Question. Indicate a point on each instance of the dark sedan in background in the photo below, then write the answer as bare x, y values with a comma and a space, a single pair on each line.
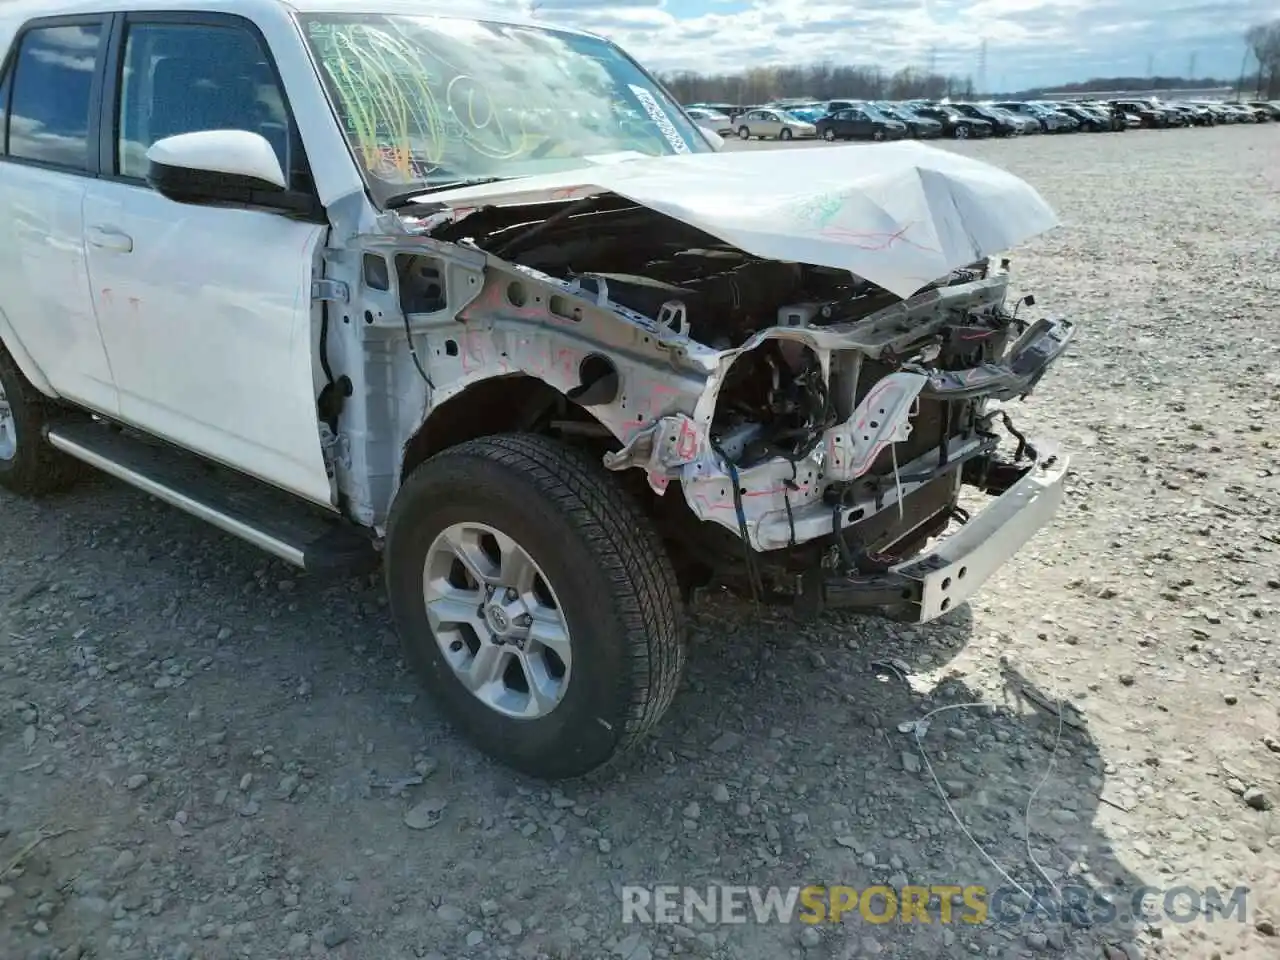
860, 123
922, 128
1151, 114
956, 124
1088, 119
1002, 125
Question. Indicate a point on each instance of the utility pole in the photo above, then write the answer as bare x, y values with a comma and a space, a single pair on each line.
933, 60
1191, 67
1244, 62
982, 68
1151, 65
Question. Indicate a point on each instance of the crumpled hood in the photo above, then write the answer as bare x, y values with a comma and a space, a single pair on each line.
901, 215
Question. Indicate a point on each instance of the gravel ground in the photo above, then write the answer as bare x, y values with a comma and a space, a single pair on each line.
222, 755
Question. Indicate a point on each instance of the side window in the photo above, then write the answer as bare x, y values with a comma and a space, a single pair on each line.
185, 78
51, 97
4, 114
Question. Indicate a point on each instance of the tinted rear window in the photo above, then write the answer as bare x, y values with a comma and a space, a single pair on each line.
50, 107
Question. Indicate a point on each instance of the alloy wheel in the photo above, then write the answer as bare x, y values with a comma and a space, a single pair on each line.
497, 620
8, 428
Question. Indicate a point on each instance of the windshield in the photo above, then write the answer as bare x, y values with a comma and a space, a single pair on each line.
427, 101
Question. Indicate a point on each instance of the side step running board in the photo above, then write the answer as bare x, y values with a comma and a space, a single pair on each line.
274, 521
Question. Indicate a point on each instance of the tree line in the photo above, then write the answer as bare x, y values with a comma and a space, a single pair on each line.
1263, 40
827, 81
823, 81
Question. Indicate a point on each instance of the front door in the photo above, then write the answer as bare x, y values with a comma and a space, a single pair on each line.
769, 125
206, 311
858, 124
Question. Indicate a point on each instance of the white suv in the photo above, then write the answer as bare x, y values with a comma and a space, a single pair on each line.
467, 297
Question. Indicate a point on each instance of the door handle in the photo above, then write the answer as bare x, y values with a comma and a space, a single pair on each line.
109, 238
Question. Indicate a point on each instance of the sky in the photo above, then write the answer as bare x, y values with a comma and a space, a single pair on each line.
1030, 43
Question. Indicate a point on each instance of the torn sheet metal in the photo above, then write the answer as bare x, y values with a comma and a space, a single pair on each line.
900, 215
883, 417
778, 500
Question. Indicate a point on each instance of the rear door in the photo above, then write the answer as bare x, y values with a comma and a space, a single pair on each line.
938, 117
206, 310
770, 124
49, 155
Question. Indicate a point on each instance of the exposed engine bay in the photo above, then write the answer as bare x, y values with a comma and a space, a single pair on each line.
839, 420
775, 400
647, 261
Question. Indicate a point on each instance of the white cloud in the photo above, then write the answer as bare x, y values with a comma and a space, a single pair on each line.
1029, 42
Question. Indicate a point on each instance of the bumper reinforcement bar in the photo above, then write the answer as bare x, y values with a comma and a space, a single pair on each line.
942, 578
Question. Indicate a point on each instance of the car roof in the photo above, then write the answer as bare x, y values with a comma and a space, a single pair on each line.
15, 12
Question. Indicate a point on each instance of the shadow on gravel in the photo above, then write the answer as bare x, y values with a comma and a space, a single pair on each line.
827, 783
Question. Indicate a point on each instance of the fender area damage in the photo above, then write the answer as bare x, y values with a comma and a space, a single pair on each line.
822, 423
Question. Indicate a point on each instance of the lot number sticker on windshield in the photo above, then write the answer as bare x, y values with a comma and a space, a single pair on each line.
660, 118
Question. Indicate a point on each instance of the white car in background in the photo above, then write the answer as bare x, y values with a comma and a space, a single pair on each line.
774, 124
718, 123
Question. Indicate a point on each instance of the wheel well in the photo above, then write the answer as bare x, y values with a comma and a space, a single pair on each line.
525, 404
11, 345
517, 402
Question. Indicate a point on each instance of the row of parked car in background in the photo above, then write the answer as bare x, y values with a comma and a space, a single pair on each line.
927, 119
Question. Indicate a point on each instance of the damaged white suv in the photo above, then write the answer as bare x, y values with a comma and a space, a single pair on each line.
475, 299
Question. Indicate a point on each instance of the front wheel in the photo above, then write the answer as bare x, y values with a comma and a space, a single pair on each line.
536, 602
785, 134
829, 135
744, 133
962, 133
28, 464
878, 136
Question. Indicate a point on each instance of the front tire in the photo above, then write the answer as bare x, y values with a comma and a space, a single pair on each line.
785, 134
744, 133
962, 133
28, 464
829, 135
593, 648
